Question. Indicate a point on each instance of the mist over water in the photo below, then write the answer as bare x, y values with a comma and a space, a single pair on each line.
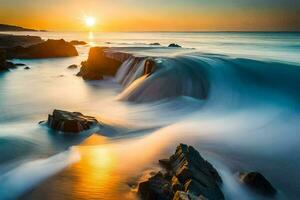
234, 96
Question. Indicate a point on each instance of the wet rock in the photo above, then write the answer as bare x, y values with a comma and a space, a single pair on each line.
190, 174
149, 67
27, 68
48, 49
155, 44
70, 122
155, 188
72, 67
19, 64
174, 45
77, 42
10, 41
258, 183
98, 65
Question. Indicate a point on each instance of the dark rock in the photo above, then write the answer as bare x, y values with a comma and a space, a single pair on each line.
258, 183
149, 67
48, 49
174, 45
155, 188
19, 64
98, 65
10, 41
77, 42
26, 68
72, 67
70, 122
155, 44
190, 174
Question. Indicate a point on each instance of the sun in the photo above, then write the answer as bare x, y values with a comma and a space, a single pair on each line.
90, 21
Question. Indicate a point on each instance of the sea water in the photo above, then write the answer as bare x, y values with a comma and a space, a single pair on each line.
249, 120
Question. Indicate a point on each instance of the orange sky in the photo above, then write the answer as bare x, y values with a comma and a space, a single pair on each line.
154, 15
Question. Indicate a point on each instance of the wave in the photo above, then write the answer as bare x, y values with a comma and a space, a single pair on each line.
19, 180
216, 78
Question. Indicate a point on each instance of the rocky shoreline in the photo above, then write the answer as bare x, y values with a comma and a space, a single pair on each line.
186, 175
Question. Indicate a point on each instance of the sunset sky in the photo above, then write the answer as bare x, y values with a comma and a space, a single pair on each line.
154, 15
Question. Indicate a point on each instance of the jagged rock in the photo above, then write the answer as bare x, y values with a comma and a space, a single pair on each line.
190, 173
98, 65
258, 183
72, 67
77, 42
70, 122
157, 187
48, 49
174, 45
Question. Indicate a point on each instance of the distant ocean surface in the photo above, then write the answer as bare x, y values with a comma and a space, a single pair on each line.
249, 119
282, 46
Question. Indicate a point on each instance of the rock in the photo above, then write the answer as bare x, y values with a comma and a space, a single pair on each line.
77, 42
258, 183
48, 49
26, 68
98, 65
72, 67
174, 45
70, 122
155, 44
155, 188
19, 64
190, 173
10, 41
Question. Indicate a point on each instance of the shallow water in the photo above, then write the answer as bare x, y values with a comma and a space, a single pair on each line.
249, 120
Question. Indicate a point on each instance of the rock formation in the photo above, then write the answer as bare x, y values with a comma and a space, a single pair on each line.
9, 41
72, 67
77, 42
70, 122
48, 49
98, 65
174, 45
187, 173
258, 183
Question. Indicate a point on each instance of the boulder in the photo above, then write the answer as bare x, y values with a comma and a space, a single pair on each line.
77, 42
72, 67
70, 122
258, 183
98, 65
48, 49
27, 68
174, 45
189, 173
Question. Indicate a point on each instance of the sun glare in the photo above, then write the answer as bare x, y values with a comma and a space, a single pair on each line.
90, 21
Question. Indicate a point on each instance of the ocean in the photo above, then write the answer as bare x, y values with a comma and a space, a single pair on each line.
234, 96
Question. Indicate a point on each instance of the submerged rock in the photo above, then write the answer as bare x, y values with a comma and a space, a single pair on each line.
48, 49
187, 172
258, 183
174, 45
77, 42
72, 67
70, 122
98, 65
